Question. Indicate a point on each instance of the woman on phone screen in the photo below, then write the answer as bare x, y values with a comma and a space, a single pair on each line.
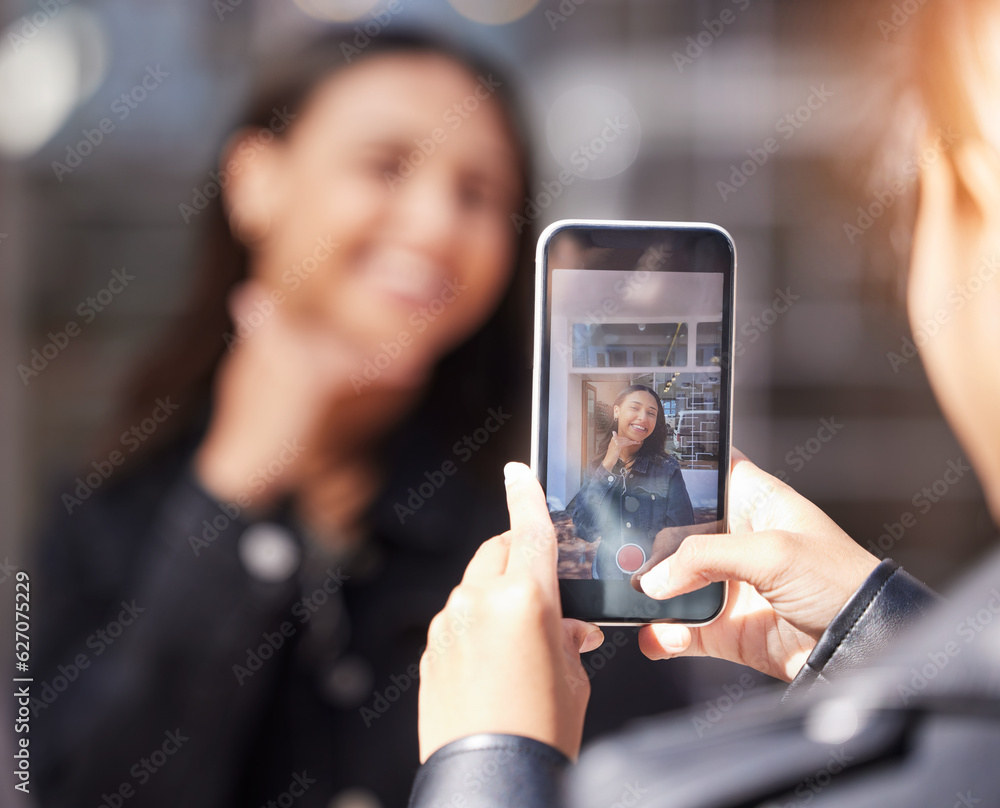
634, 488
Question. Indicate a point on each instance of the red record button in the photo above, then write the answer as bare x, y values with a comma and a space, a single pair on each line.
630, 557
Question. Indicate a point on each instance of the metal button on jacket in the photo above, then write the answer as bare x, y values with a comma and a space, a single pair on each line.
349, 681
355, 798
269, 552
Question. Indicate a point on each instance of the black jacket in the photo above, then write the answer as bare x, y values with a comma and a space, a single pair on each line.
879, 716
184, 661
166, 665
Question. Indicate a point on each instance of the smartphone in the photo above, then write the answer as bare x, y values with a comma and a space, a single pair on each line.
632, 405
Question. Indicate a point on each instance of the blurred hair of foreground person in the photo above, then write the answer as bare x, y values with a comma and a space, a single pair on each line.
895, 694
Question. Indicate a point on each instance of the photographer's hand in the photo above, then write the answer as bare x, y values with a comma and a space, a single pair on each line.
790, 567
500, 657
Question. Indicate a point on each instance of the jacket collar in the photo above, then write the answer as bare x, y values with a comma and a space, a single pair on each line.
641, 464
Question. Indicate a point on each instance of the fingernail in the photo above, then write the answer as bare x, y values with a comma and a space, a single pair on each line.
513, 472
672, 638
593, 641
656, 582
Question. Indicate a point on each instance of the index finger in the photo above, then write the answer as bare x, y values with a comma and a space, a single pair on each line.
533, 547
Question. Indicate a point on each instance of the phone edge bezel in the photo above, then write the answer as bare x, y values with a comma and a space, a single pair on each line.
541, 303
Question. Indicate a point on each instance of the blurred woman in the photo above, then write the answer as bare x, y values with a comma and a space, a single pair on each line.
634, 490
237, 613
875, 714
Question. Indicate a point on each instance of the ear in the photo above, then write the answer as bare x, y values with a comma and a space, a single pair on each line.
958, 217
255, 188
959, 207
977, 167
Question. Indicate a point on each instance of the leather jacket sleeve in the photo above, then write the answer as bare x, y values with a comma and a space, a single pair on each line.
491, 770
884, 606
888, 602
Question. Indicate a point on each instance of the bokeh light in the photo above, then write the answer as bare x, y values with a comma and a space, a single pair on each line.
335, 10
45, 73
593, 131
493, 12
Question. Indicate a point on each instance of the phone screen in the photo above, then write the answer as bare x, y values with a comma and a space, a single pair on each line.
633, 390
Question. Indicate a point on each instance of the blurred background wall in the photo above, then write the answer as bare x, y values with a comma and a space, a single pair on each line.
746, 113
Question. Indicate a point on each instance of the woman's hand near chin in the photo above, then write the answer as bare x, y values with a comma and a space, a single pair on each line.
500, 657
615, 447
790, 567
273, 392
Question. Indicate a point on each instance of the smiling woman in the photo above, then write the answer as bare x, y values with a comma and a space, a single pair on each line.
634, 489
358, 310
400, 246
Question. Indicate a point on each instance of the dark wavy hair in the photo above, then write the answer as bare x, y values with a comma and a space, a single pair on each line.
655, 444
490, 369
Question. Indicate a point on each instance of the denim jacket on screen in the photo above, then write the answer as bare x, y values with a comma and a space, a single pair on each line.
630, 506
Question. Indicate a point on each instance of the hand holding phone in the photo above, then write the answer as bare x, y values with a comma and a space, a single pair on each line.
790, 570
631, 417
515, 668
